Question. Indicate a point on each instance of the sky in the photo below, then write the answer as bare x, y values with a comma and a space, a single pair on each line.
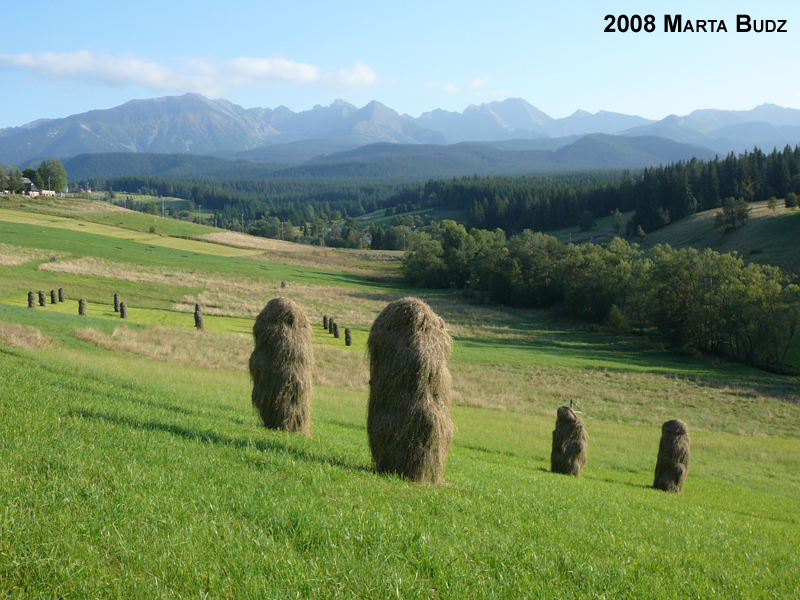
411, 56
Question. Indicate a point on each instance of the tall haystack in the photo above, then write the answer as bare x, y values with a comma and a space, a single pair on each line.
330, 325
31, 300
82, 307
116, 302
348, 337
673, 457
408, 419
62, 295
281, 366
198, 318
53, 299
325, 322
123, 310
336, 330
42, 301
570, 443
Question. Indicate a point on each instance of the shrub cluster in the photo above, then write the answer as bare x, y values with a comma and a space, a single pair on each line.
705, 301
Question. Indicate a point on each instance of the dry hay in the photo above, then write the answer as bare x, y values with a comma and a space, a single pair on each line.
570, 442
12, 256
31, 300
673, 457
325, 322
198, 318
23, 336
42, 301
116, 302
408, 419
348, 337
123, 310
281, 366
53, 299
62, 295
82, 307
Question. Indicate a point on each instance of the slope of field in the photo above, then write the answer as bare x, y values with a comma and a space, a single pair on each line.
767, 238
133, 465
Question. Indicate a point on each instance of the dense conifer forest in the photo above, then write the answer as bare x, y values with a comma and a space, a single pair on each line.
658, 195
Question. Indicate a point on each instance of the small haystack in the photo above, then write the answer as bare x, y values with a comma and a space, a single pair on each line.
408, 418
673, 457
325, 322
62, 295
348, 337
116, 302
570, 442
53, 298
283, 285
336, 330
42, 301
123, 310
31, 300
281, 366
82, 307
198, 318
330, 325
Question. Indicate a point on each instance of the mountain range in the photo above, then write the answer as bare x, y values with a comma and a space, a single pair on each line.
193, 124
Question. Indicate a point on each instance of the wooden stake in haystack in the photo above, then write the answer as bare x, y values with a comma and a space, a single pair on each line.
281, 365
198, 318
672, 465
570, 443
408, 418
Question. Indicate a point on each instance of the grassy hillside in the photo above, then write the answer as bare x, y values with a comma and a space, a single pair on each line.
133, 465
767, 238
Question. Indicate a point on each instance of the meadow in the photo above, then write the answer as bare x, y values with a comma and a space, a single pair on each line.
134, 466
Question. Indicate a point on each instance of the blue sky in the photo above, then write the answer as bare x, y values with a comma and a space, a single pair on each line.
412, 56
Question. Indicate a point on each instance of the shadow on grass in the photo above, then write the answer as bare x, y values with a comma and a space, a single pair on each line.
211, 437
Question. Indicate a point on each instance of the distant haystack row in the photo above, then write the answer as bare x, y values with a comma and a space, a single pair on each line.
409, 428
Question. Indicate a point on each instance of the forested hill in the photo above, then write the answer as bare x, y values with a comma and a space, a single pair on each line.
659, 195
403, 162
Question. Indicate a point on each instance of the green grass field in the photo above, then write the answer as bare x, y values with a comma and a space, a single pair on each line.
379, 217
134, 466
767, 238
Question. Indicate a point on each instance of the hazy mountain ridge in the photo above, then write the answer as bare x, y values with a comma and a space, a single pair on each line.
197, 125
404, 162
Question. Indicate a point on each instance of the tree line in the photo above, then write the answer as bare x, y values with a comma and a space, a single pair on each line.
704, 301
658, 195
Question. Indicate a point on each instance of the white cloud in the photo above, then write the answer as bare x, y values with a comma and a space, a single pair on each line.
194, 74
359, 76
451, 88
477, 83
